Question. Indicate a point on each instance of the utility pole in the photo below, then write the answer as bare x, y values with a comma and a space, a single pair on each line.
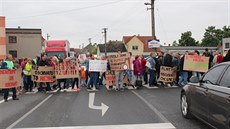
152, 5
105, 36
89, 40
47, 36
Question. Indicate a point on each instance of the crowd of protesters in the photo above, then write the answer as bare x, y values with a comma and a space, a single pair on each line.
141, 68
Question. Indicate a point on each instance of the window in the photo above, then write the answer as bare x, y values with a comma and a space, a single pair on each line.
212, 76
225, 80
135, 47
12, 39
14, 53
227, 45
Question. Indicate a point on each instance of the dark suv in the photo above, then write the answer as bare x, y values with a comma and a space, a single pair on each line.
208, 99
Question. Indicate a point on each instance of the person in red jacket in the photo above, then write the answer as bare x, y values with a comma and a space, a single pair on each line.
144, 72
219, 58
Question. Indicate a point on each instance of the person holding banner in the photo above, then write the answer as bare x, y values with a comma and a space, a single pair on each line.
183, 80
176, 65
76, 79
129, 72
93, 77
159, 63
167, 61
8, 64
119, 75
44, 62
151, 64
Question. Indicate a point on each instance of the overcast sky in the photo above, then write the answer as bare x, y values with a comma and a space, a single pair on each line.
78, 20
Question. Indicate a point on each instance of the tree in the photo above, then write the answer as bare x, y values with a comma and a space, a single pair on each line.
175, 44
187, 39
226, 32
94, 50
213, 37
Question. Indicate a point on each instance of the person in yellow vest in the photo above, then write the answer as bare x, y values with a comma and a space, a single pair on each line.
27, 73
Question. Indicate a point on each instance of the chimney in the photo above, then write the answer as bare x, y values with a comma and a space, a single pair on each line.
19, 27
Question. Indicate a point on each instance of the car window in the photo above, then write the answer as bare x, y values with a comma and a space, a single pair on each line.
225, 81
212, 76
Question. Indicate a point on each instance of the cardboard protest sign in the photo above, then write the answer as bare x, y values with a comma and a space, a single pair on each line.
119, 62
97, 65
168, 74
42, 74
10, 78
67, 70
110, 78
196, 63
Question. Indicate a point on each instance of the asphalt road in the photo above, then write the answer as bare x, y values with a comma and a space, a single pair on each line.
129, 107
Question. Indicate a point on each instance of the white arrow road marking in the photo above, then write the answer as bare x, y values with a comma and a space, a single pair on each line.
103, 107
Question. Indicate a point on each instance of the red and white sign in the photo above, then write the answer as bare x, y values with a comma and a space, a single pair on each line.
153, 44
10, 78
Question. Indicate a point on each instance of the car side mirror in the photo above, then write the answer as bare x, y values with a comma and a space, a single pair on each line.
194, 79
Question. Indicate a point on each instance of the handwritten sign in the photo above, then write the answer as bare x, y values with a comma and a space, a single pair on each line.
110, 78
196, 63
67, 70
42, 74
97, 65
10, 78
168, 74
119, 62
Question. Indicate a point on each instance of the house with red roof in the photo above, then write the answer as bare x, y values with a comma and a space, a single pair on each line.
138, 45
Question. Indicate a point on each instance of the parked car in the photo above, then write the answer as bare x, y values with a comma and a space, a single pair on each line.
208, 99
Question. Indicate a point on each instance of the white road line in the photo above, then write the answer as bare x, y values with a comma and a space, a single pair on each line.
28, 113
152, 107
128, 126
2, 101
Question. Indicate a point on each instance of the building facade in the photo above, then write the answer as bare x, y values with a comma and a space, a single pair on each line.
112, 47
24, 42
138, 45
2, 38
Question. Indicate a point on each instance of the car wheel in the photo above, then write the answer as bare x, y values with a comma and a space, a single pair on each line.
185, 106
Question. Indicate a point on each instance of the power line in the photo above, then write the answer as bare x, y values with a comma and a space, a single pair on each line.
67, 11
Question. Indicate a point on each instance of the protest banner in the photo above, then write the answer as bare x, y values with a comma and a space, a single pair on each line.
67, 70
97, 65
42, 74
10, 78
168, 74
119, 62
196, 63
110, 79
